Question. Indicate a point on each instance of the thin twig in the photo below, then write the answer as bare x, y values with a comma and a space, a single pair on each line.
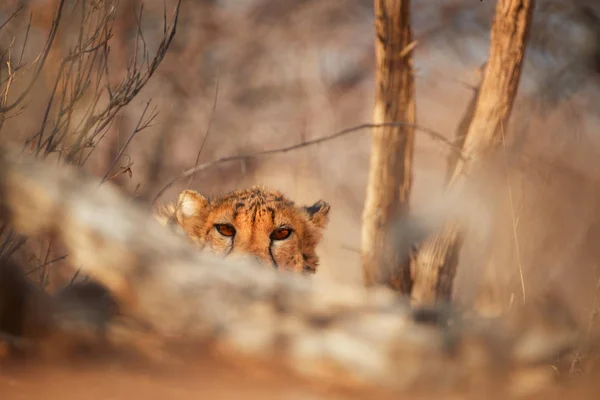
141, 125
25, 41
307, 143
45, 264
42, 59
514, 224
14, 14
210, 119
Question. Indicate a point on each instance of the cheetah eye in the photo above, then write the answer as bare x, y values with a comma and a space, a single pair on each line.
225, 229
281, 233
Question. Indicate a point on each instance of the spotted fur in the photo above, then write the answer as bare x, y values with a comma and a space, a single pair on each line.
260, 218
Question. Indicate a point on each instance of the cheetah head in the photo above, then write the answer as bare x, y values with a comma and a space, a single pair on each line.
257, 222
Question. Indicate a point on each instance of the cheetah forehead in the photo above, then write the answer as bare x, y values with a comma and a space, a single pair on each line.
253, 198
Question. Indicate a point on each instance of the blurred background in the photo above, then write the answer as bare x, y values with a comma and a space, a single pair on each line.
245, 76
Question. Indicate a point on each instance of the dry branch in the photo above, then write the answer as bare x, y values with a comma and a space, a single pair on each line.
85, 98
437, 259
306, 143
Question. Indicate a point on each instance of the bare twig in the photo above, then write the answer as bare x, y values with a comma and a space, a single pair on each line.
84, 75
45, 264
141, 125
343, 132
42, 60
12, 16
210, 119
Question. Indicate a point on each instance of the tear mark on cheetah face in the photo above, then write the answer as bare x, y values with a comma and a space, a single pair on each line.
255, 221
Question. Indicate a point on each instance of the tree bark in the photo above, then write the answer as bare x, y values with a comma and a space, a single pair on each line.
390, 174
437, 259
460, 134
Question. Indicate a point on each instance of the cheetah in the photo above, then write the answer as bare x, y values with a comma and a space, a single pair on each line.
255, 221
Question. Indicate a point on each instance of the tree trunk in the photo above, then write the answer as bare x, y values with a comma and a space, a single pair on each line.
437, 259
390, 172
460, 134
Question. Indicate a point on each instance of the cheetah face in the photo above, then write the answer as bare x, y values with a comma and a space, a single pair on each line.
257, 222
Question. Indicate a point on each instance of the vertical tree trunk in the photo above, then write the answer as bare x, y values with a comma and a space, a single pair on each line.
437, 259
390, 172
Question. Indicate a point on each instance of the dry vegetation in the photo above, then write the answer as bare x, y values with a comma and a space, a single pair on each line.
149, 98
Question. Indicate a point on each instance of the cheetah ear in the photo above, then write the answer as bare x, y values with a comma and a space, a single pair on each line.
190, 204
318, 213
